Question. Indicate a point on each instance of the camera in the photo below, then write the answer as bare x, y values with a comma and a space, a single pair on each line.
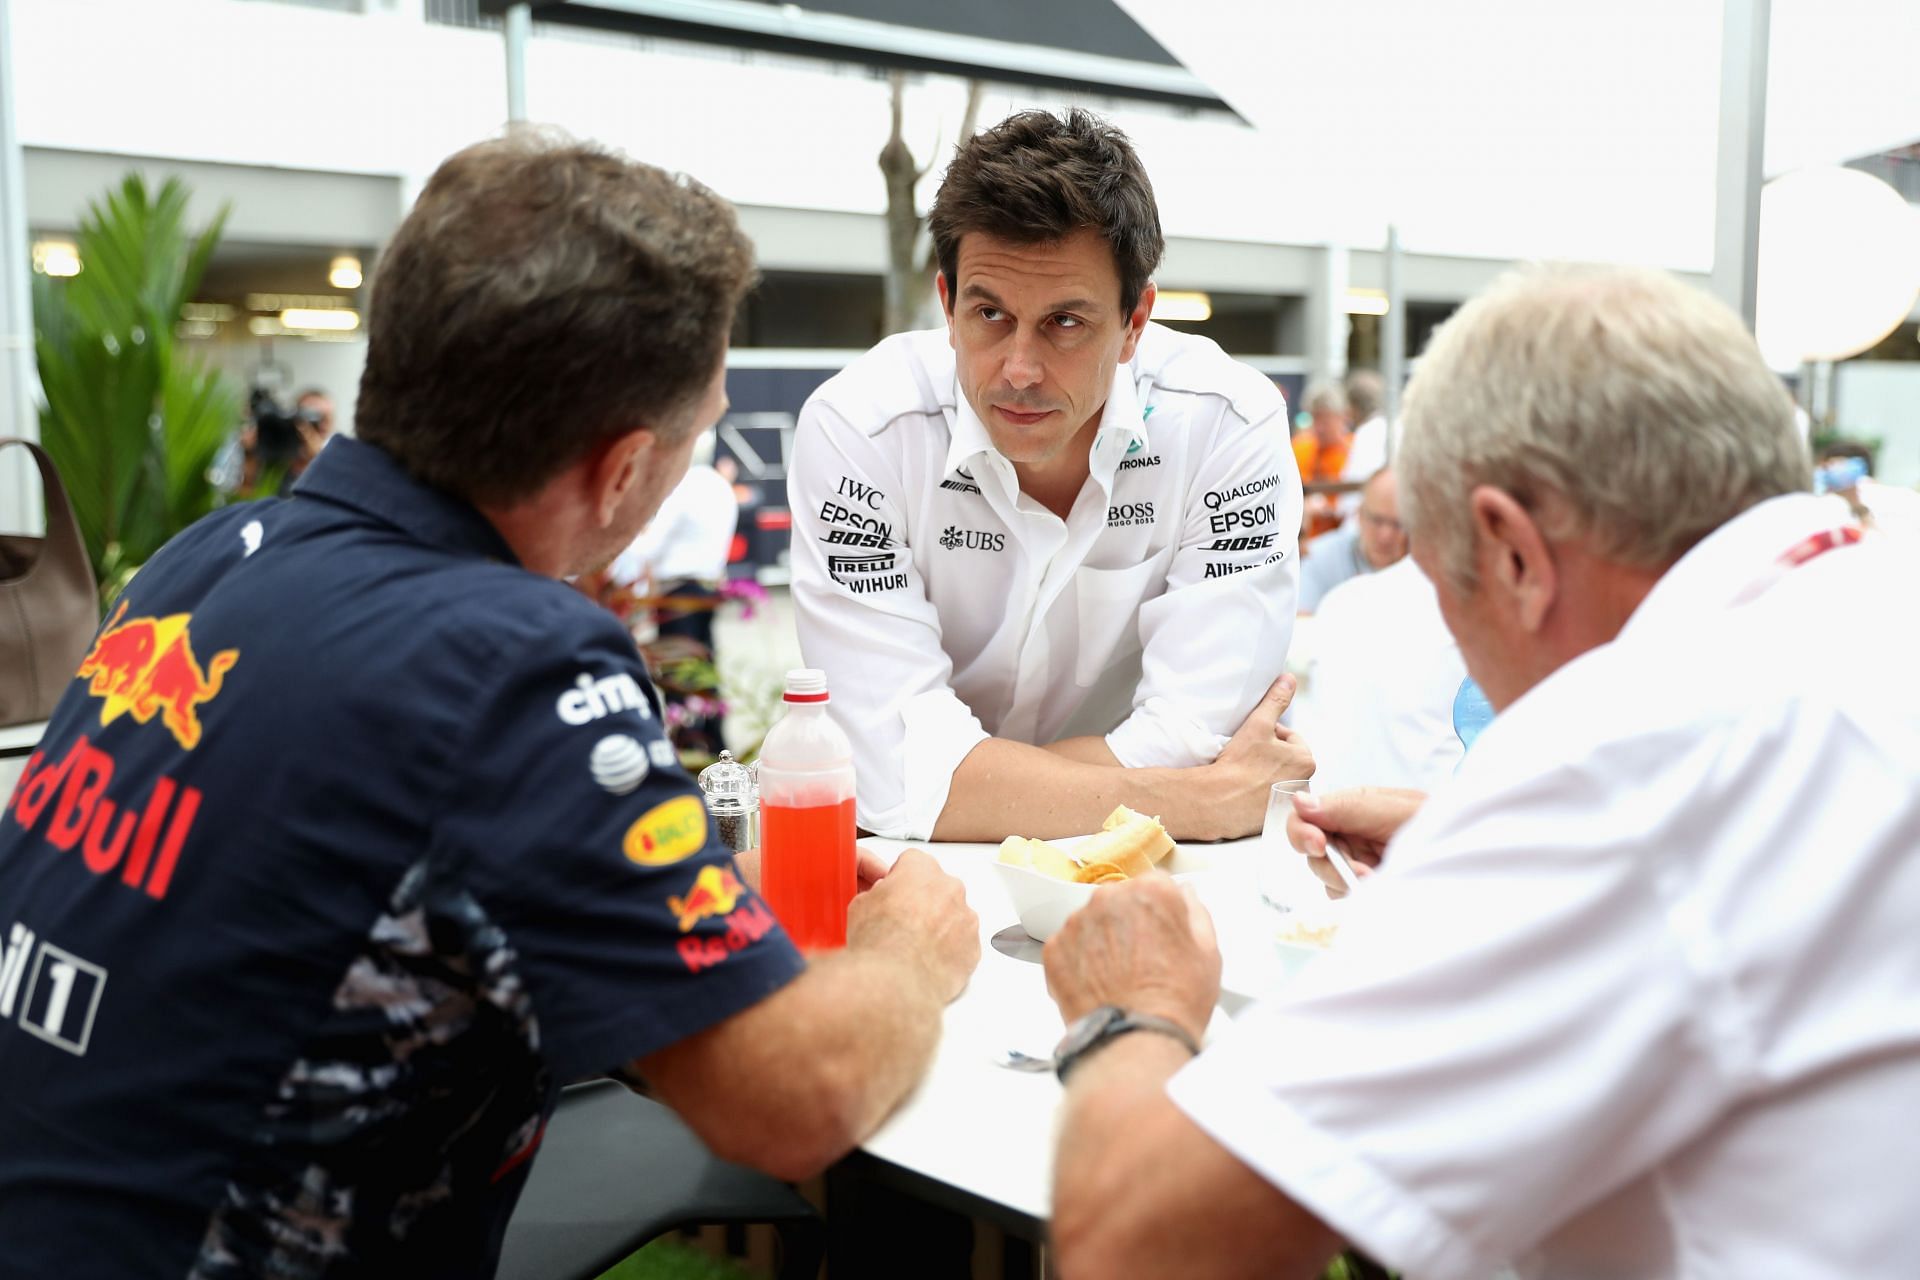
277, 434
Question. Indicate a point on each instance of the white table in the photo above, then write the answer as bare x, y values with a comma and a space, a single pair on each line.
978, 1137
20, 739
17, 742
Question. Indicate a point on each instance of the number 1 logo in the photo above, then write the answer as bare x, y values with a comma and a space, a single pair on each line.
60, 1010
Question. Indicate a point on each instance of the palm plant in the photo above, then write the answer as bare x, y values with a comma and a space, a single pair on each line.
132, 422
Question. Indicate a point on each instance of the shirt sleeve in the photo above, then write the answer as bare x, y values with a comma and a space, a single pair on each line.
1514, 1024
590, 846
1216, 639
864, 618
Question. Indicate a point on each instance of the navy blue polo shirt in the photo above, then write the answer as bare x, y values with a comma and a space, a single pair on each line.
350, 843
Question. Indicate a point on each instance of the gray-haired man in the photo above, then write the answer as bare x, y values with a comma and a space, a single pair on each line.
1620, 989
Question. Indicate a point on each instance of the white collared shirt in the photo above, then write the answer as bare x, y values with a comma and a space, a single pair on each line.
689, 538
1380, 688
1637, 994
946, 606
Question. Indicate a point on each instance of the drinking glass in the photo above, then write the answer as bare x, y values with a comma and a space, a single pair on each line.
1276, 855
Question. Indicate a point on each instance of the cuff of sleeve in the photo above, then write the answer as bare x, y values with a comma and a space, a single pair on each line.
1158, 735
628, 1031
1222, 1093
940, 731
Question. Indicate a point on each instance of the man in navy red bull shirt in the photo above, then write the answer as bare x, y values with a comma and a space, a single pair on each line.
357, 834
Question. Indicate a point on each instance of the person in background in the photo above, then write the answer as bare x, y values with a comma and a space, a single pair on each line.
387, 843
1367, 452
1381, 683
1845, 470
1635, 993
283, 443
679, 561
1017, 541
1321, 451
313, 419
1372, 540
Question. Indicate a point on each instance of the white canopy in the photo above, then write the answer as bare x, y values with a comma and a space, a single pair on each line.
1536, 128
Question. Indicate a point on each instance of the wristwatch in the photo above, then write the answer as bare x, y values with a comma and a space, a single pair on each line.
1101, 1026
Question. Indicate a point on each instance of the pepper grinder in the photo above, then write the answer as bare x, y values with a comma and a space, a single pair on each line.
732, 792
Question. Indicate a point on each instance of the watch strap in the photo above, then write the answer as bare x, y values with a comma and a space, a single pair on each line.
1118, 1027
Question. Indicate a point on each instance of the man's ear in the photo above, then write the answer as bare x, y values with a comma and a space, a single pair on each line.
1137, 321
941, 290
614, 467
1515, 557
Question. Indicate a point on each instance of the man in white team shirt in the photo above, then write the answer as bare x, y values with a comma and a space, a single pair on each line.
1046, 556
1635, 994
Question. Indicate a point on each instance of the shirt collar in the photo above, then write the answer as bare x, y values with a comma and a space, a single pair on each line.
365, 477
1728, 561
1122, 428
968, 437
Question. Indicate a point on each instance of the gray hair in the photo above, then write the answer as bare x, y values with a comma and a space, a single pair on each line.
1326, 397
1616, 404
1366, 393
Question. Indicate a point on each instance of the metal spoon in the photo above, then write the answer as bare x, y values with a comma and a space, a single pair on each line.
1014, 1060
1338, 857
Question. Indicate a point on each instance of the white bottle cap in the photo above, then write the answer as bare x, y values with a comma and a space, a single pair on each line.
806, 684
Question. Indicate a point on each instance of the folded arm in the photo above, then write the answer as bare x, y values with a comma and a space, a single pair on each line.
1004, 788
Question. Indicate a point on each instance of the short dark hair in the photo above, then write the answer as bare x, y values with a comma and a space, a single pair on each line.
1844, 448
543, 295
1035, 178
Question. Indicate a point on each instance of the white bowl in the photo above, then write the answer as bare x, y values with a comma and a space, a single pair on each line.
1043, 903
1296, 953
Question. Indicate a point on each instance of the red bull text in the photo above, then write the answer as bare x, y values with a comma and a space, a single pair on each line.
71, 794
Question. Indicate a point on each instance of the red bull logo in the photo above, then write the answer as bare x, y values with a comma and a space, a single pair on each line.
717, 894
146, 667
715, 891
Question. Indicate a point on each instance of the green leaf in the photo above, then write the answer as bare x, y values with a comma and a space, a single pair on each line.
132, 423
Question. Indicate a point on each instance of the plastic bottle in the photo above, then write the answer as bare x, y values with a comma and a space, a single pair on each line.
806, 817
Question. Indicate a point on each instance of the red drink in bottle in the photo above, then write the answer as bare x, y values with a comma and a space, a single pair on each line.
806, 817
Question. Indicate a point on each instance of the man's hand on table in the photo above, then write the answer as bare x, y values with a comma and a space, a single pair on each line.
1147, 946
1360, 820
1261, 752
919, 912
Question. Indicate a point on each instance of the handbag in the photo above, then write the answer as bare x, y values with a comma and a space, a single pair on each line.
49, 605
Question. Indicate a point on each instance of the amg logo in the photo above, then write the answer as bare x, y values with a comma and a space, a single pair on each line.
861, 586
851, 488
1129, 464
1255, 542
1227, 570
954, 539
1130, 513
1251, 518
962, 482
841, 568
